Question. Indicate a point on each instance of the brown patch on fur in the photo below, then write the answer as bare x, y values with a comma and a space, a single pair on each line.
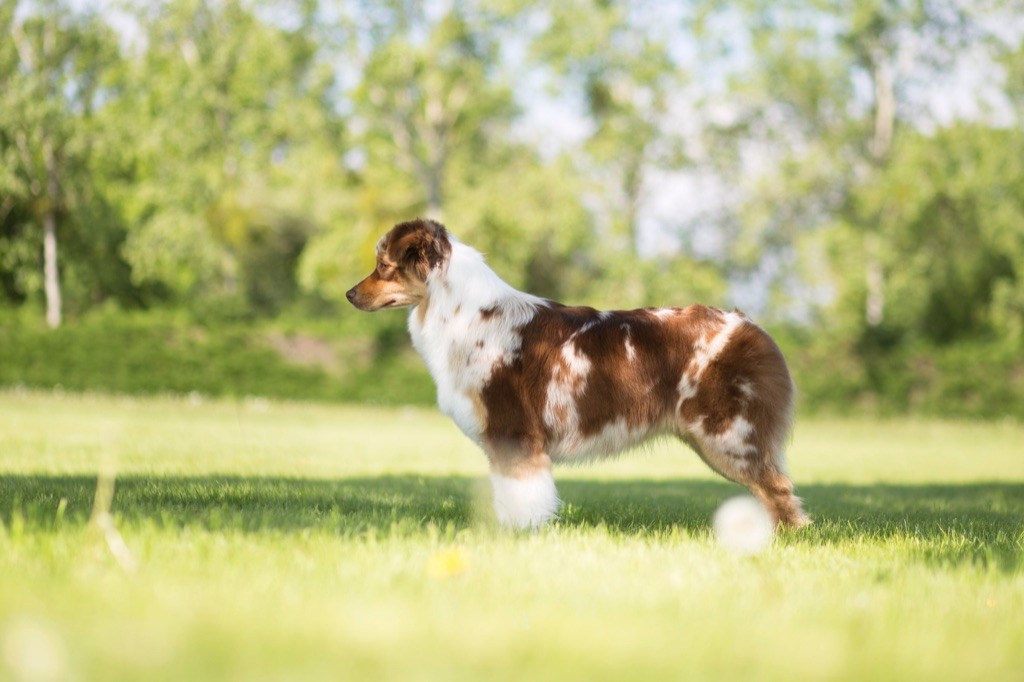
516, 463
417, 246
775, 491
421, 309
488, 313
643, 388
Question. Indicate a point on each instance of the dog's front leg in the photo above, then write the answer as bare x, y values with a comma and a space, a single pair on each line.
524, 490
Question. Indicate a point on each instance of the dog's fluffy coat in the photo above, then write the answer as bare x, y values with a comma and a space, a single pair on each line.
535, 382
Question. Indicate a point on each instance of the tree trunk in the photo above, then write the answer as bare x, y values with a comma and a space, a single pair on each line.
875, 306
51, 275
632, 187
53, 302
435, 193
885, 108
879, 146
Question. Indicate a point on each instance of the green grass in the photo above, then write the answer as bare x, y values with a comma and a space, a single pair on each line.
285, 541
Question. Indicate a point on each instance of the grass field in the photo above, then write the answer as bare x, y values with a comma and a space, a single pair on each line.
274, 541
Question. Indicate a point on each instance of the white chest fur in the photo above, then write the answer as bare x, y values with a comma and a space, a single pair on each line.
441, 349
467, 329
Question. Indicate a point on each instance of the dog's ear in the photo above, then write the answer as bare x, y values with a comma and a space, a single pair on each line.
426, 248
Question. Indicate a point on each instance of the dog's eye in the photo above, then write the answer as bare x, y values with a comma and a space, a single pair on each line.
383, 269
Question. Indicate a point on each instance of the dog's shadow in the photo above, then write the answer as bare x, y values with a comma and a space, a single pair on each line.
971, 521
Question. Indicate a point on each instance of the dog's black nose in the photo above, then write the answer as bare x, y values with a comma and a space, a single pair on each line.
350, 295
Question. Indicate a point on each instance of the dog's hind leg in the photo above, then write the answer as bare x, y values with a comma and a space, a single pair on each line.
775, 490
762, 473
735, 409
524, 490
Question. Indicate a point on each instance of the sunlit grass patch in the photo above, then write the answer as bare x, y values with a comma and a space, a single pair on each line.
309, 541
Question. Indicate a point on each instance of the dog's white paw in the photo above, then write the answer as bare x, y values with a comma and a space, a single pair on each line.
524, 503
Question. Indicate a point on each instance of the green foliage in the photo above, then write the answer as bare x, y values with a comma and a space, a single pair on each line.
226, 138
965, 380
950, 211
53, 66
146, 353
527, 219
955, 210
625, 74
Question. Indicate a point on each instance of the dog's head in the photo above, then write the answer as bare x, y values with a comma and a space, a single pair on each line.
406, 256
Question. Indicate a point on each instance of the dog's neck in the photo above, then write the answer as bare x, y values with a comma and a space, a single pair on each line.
465, 289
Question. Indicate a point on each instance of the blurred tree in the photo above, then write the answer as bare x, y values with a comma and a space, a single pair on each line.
231, 147
422, 93
231, 150
434, 115
818, 96
954, 219
615, 60
1013, 62
50, 73
623, 70
421, 98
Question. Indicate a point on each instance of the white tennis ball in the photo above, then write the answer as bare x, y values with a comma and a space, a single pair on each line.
742, 526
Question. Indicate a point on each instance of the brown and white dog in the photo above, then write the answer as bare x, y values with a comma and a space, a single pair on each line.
535, 382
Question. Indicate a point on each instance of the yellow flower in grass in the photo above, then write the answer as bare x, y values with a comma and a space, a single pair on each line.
448, 562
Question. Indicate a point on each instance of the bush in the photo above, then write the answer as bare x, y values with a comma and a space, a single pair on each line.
161, 352
969, 379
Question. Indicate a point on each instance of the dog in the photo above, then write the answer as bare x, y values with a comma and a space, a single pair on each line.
535, 383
